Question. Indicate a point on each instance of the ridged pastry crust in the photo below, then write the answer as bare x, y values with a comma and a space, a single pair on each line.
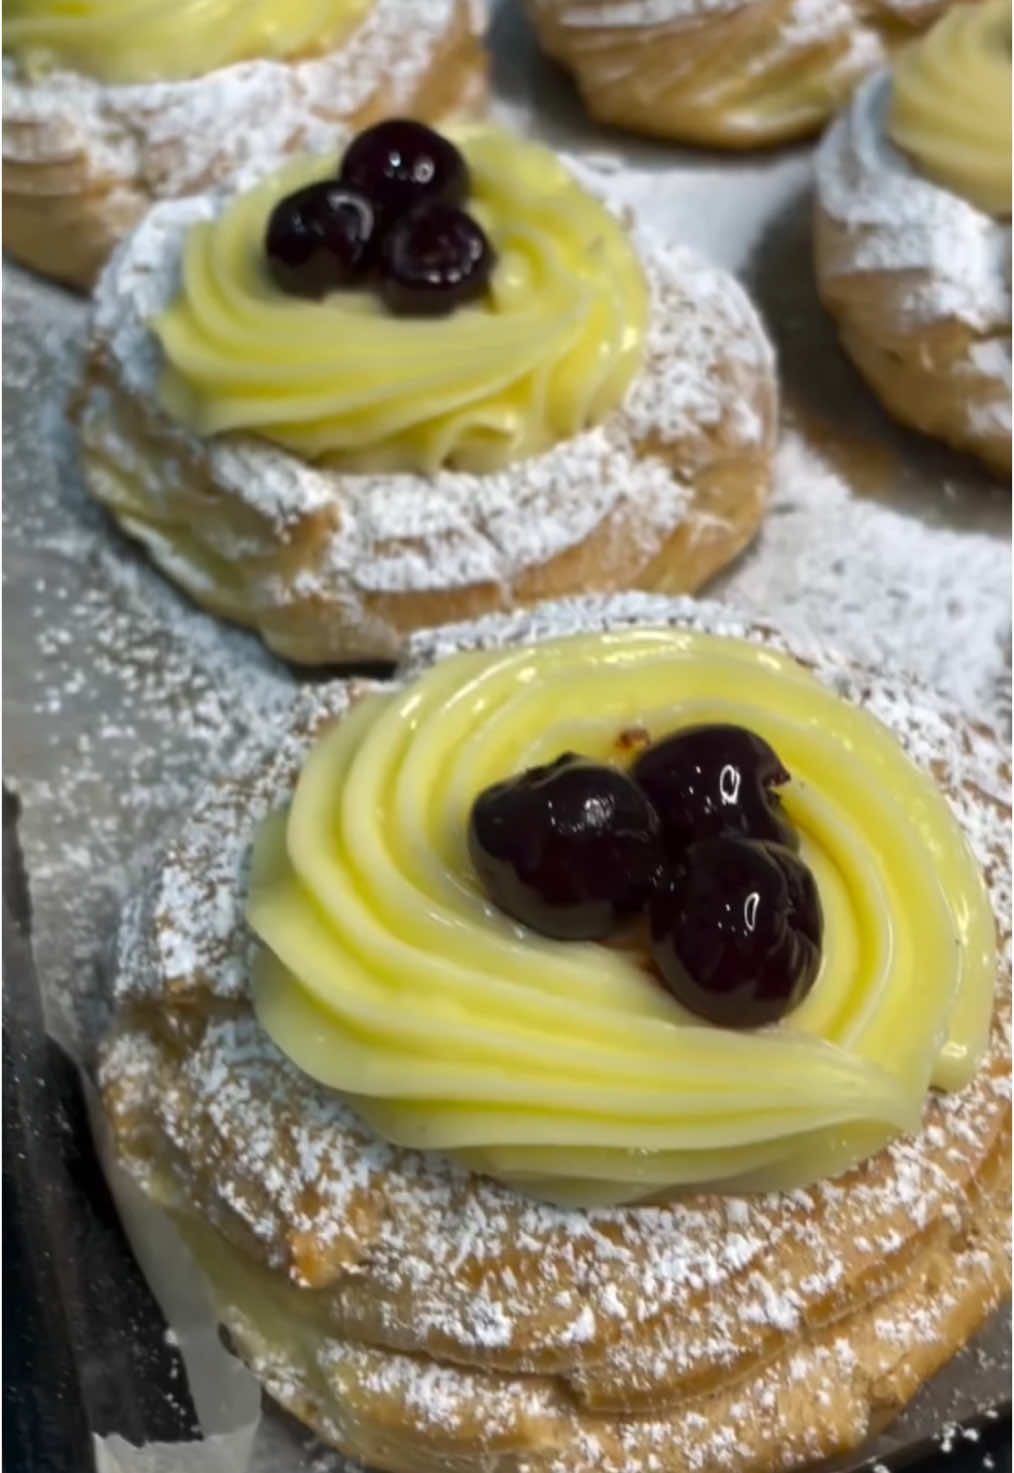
918, 281
728, 73
423, 1319
331, 566
83, 160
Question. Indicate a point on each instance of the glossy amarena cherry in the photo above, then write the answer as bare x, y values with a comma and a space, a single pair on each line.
736, 931
570, 848
710, 780
399, 163
432, 260
319, 238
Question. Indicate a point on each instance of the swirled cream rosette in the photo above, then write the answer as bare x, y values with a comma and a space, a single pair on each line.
550, 349
565, 1068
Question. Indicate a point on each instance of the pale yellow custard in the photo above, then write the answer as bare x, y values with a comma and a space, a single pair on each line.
565, 1068
123, 41
951, 103
550, 348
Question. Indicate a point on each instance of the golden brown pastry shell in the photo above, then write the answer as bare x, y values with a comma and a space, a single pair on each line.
455, 1325
740, 76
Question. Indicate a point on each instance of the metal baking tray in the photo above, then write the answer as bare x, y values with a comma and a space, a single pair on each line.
119, 696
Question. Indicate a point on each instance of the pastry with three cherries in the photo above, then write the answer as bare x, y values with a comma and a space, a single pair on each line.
913, 237
589, 1053
729, 73
419, 378
110, 105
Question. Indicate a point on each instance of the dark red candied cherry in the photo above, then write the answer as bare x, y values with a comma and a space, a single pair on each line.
569, 848
399, 163
432, 260
736, 931
710, 780
319, 238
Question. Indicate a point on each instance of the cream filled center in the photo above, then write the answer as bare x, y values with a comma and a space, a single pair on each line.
565, 1068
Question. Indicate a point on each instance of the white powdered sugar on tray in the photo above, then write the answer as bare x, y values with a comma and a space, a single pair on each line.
958, 257
170, 138
895, 591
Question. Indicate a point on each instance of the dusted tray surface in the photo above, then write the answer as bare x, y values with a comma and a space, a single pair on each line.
119, 695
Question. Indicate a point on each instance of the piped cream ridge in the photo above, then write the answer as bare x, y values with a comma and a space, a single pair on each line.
125, 41
565, 1068
951, 103
550, 349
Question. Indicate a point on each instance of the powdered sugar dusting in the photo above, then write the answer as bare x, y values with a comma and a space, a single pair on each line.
866, 577
172, 138
603, 41
952, 259
806, 22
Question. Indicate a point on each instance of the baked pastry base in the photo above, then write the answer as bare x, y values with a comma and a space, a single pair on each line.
80, 168
331, 566
729, 75
424, 1319
358, 1398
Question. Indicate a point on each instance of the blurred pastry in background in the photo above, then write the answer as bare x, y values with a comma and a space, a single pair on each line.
913, 236
110, 105
729, 73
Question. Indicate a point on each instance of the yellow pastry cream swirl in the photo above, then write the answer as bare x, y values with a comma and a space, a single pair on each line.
123, 41
550, 348
951, 103
565, 1068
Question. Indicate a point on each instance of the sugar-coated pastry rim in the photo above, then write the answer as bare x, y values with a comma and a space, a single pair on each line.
918, 280
84, 159
717, 71
330, 565
460, 1322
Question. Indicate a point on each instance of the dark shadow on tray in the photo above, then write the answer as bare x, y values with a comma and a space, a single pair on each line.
85, 1346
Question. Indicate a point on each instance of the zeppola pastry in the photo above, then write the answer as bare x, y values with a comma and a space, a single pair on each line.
590, 1053
441, 379
110, 105
727, 73
913, 238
